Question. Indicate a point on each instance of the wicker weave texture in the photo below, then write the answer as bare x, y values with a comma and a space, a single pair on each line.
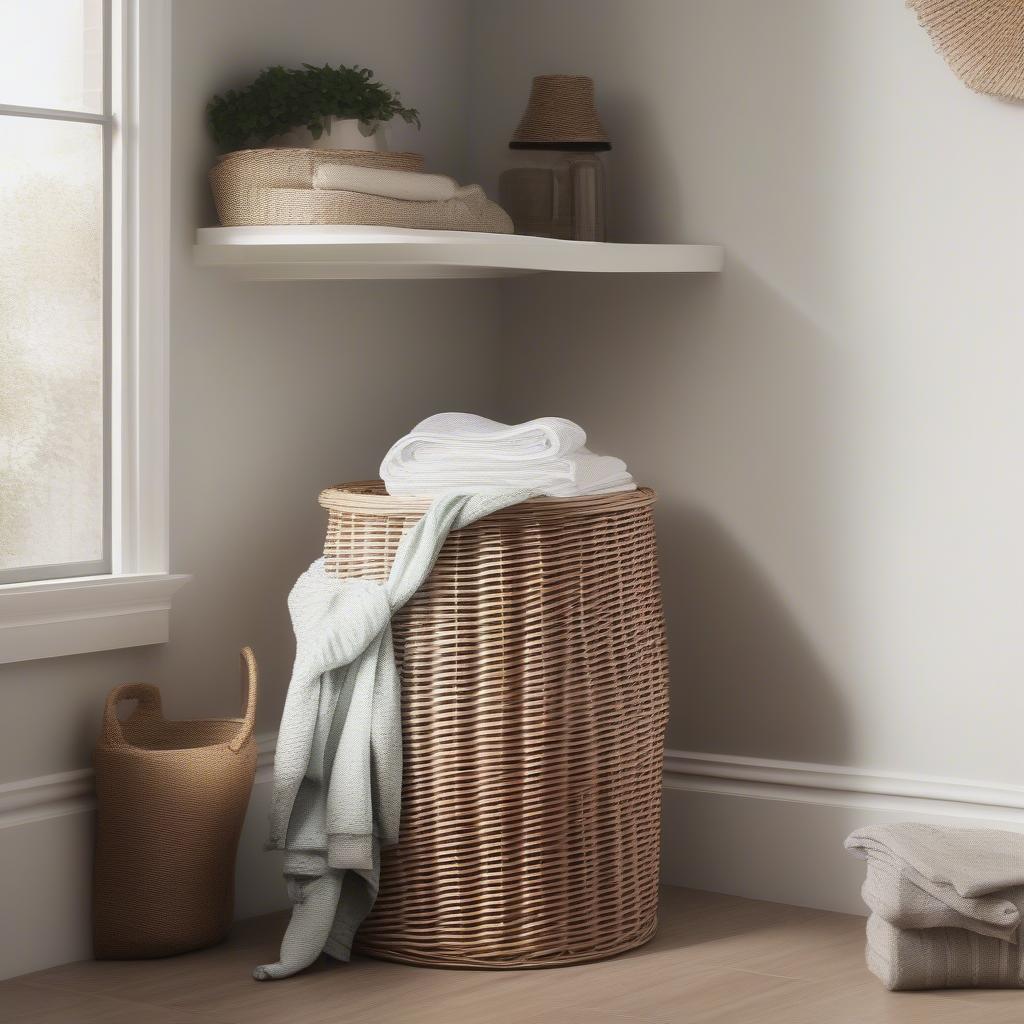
981, 40
561, 110
241, 181
471, 211
171, 798
534, 703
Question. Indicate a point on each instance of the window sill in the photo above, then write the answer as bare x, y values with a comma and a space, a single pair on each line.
53, 618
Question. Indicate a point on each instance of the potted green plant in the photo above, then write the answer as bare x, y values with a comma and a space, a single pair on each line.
320, 107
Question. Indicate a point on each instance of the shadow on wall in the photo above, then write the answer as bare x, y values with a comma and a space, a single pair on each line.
728, 400
740, 661
739, 397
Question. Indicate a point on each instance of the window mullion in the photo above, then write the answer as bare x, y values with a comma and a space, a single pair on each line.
110, 327
48, 114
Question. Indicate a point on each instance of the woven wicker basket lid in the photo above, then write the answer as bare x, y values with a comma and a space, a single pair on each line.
561, 114
981, 40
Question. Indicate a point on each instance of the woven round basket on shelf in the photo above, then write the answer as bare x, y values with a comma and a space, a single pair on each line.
471, 211
534, 701
243, 181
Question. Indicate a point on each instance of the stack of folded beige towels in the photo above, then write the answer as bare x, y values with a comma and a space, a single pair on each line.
945, 905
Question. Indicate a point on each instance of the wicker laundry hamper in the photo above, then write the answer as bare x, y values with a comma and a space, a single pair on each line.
171, 797
534, 679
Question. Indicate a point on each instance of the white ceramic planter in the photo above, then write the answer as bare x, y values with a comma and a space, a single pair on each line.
339, 133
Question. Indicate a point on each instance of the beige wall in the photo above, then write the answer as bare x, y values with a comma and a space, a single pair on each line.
835, 422
277, 390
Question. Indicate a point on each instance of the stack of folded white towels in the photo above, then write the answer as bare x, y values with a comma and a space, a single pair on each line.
460, 452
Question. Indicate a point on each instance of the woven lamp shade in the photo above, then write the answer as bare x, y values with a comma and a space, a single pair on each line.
981, 40
561, 114
534, 701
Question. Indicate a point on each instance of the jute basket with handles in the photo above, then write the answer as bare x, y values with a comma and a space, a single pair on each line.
171, 798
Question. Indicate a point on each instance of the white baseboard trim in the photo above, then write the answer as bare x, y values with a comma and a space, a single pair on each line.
774, 830
49, 796
731, 775
750, 826
764, 779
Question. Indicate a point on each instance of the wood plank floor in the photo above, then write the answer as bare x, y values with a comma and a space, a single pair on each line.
715, 959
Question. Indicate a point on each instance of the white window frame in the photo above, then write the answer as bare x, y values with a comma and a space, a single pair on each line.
130, 606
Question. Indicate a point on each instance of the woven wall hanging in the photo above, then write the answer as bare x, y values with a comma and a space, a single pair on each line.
982, 41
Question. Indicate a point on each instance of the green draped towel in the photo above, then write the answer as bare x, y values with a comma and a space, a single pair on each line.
338, 768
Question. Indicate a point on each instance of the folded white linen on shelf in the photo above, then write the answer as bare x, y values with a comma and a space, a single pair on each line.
383, 181
458, 452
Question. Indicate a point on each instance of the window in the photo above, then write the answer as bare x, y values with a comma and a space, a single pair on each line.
55, 198
83, 308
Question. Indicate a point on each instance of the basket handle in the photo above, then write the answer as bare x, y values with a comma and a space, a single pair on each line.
250, 686
150, 706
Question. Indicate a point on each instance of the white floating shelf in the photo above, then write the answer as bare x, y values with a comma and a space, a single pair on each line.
342, 252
